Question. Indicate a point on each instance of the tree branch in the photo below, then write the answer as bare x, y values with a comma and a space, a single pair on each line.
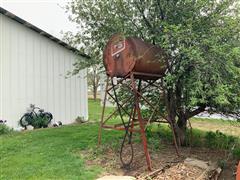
196, 111
161, 10
149, 25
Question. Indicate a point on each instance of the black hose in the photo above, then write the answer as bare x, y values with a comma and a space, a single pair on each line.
126, 165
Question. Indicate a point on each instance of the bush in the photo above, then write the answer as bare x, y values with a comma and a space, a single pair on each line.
194, 138
39, 122
4, 129
219, 140
236, 153
80, 120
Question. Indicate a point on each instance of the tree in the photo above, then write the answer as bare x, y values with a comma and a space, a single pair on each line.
201, 39
94, 80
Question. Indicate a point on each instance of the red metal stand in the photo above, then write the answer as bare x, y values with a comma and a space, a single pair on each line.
238, 172
135, 118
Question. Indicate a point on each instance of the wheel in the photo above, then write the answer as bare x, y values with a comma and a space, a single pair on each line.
25, 120
48, 117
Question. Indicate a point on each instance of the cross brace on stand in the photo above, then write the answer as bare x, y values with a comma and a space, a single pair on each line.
134, 117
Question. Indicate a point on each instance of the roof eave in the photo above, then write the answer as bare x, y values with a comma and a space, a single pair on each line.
41, 32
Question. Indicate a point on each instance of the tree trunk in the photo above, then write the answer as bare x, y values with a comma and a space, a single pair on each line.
181, 129
181, 125
94, 93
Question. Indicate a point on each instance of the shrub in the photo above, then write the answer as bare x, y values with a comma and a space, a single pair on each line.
236, 153
39, 122
222, 163
80, 119
194, 138
219, 140
4, 129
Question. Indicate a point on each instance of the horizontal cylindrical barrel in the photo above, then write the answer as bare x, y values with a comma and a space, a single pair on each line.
124, 55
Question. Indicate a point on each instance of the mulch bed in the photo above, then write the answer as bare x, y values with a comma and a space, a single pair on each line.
165, 158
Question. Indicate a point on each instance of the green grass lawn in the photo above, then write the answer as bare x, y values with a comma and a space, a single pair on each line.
52, 153
58, 153
206, 124
95, 110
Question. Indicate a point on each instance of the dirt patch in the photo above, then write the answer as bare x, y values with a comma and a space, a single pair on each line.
164, 157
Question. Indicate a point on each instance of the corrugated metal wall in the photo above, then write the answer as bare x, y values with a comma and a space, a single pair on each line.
33, 70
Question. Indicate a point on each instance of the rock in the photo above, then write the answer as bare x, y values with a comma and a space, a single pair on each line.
19, 129
29, 127
56, 124
197, 163
208, 167
117, 178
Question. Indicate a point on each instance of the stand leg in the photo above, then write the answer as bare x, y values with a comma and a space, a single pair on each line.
142, 129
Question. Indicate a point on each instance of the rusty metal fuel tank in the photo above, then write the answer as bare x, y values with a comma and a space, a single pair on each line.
124, 55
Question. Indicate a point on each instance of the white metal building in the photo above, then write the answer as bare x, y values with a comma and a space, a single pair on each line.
33, 67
